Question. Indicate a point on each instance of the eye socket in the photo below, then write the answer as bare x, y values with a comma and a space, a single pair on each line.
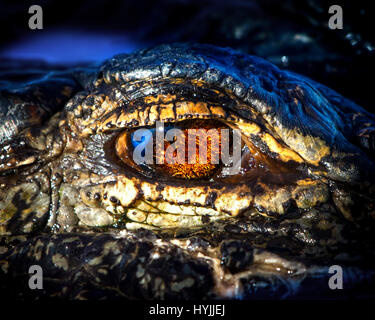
190, 149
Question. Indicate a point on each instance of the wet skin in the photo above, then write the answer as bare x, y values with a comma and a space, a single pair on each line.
102, 226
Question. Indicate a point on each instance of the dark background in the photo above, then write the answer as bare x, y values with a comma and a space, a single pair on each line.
291, 34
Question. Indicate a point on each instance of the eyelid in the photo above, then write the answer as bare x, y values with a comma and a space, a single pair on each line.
254, 133
148, 115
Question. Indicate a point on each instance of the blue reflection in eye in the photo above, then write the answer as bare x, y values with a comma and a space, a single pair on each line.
144, 139
141, 137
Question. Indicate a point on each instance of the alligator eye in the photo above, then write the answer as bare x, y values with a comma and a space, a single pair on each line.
190, 149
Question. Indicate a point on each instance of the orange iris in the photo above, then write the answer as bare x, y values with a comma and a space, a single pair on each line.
194, 164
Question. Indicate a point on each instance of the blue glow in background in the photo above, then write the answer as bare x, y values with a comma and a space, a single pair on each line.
69, 46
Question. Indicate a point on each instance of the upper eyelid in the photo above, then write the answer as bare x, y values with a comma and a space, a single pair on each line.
178, 99
148, 115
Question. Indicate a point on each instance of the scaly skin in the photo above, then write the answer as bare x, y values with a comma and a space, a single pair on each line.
68, 203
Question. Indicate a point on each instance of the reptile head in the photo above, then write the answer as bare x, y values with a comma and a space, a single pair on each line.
306, 164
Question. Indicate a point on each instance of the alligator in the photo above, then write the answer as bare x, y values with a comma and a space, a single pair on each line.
101, 226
